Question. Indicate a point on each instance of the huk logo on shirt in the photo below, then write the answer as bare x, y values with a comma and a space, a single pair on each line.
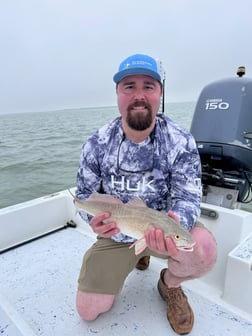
124, 183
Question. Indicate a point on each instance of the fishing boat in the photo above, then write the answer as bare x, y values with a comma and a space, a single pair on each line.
42, 243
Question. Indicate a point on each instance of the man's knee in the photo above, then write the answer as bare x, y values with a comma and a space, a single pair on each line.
91, 305
205, 244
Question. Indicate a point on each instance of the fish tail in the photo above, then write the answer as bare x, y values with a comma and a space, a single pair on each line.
74, 197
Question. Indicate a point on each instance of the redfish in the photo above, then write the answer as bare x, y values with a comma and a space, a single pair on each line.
134, 219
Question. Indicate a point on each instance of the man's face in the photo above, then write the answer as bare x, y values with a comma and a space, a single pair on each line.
138, 100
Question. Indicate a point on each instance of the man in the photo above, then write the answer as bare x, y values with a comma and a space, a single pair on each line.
144, 154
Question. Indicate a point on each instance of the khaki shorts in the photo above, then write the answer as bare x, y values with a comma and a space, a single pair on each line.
107, 264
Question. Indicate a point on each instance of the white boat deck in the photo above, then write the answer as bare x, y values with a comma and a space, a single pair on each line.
37, 295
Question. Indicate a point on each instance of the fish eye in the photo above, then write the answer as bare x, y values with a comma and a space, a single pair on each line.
177, 237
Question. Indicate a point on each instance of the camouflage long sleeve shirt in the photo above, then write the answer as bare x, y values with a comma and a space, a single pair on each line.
164, 170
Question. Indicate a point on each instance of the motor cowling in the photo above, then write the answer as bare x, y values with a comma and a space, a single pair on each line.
222, 128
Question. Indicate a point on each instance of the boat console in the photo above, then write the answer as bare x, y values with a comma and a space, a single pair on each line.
222, 128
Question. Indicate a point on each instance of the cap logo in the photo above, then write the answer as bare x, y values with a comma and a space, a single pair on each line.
143, 63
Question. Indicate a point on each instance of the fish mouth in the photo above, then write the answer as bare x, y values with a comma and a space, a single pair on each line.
189, 248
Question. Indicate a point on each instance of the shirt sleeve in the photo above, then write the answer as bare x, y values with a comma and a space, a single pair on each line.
88, 178
186, 190
88, 174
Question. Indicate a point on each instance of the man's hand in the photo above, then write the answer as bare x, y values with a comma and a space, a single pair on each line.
157, 242
105, 230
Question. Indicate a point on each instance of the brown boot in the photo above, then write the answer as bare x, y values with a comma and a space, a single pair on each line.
143, 263
179, 312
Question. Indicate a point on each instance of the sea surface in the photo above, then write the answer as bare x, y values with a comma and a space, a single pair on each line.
39, 152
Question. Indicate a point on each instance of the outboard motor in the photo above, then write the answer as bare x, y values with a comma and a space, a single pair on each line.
222, 128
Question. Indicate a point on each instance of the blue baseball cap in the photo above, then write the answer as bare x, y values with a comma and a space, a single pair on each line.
138, 64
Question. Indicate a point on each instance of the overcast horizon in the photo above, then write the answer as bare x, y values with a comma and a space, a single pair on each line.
62, 54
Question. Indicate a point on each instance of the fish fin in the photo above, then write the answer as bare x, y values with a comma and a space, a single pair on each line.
140, 245
98, 198
136, 201
104, 198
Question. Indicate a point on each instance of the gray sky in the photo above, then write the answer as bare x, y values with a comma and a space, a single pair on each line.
59, 54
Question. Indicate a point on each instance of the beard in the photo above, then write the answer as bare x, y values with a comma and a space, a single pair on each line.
139, 120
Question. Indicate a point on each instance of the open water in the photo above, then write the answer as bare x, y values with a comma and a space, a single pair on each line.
39, 152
